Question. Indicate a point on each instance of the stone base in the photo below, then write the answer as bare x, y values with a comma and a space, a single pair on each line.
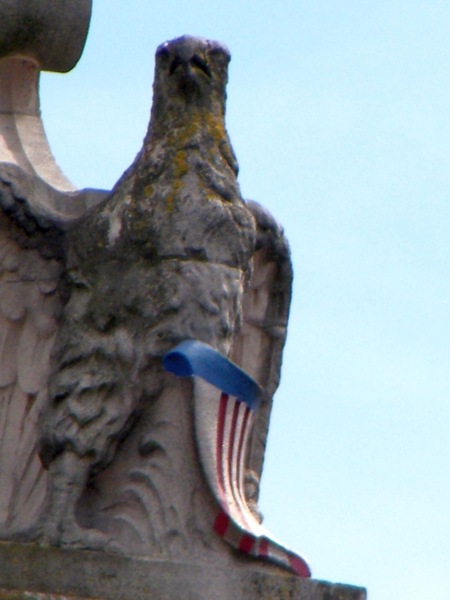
32, 572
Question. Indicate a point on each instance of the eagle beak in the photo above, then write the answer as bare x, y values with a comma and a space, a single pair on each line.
190, 65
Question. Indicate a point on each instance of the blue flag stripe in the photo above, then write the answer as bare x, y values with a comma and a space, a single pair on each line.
192, 357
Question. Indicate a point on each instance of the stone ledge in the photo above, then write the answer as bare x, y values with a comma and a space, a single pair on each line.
32, 572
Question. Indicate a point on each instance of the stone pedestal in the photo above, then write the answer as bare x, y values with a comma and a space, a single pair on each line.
29, 572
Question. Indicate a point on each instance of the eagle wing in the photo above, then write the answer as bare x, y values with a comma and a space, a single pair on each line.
33, 216
259, 345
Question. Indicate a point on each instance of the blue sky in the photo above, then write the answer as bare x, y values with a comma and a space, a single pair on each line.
339, 115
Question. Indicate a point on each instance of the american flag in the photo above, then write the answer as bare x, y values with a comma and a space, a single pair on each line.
226, 399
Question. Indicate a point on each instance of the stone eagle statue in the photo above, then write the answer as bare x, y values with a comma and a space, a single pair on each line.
102, 444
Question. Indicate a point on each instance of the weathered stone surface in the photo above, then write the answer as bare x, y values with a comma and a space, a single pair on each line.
88, 574
19, 595
101, 447
107, 286
173, 253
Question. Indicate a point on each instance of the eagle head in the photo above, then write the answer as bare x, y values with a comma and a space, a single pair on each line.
191, 72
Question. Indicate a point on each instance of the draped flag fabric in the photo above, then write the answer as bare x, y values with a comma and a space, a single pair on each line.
226, 399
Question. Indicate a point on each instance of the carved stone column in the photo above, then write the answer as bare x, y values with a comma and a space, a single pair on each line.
35, 36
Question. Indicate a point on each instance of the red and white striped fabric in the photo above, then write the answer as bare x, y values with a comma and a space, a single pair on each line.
223, 425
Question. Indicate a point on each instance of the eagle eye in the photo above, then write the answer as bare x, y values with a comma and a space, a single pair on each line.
174, 64
201, 64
